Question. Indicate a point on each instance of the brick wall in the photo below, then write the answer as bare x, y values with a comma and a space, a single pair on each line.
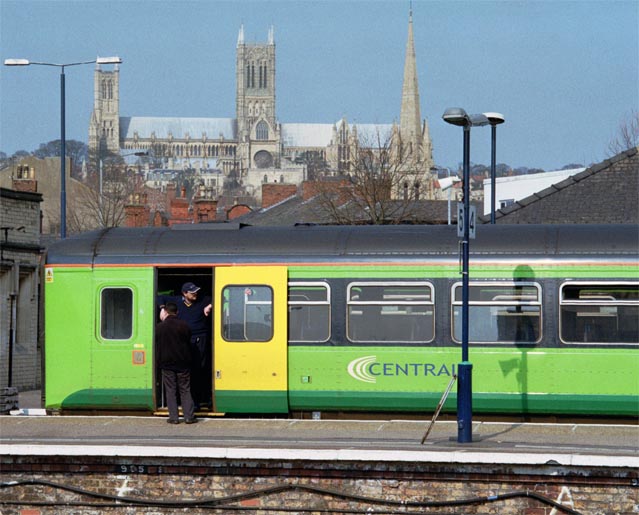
237, 210
20, 287
274, 193
305, 487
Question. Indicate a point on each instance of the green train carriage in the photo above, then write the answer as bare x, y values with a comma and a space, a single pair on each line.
352, 318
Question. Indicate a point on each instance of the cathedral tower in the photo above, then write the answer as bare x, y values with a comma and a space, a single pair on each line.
410, 123
414, 136
258, 133
104, 127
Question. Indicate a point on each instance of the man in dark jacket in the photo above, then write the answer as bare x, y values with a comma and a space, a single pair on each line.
195, 310
174, 357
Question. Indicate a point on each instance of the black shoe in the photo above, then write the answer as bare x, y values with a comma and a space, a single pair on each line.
190, 420
171, 421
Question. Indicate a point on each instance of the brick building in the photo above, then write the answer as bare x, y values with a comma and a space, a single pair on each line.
32, 174
20, 254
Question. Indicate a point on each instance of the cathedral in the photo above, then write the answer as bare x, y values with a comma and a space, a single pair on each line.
254, 147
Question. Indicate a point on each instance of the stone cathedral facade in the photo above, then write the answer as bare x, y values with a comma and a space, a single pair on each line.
254, 146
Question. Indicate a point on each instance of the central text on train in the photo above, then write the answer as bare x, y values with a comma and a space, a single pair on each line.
367, 369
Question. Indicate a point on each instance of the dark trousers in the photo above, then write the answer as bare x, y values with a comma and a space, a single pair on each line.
174, 382
201, 369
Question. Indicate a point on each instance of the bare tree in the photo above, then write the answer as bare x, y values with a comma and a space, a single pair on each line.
627, 135
76, 150
159, 154
381, 185
316, 165
101, 203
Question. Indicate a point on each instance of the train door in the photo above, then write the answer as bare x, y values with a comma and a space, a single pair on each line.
169, 284
250, 339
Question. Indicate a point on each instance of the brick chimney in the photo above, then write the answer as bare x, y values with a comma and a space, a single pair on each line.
276, 192
29, 185
136, 214
204, 210
159, 220
170, 192
179, 210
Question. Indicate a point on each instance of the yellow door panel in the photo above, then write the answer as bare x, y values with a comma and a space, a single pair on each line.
250, 341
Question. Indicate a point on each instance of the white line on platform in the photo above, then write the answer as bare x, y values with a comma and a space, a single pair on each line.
231, 453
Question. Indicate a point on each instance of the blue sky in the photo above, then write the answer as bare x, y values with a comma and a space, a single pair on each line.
563, 73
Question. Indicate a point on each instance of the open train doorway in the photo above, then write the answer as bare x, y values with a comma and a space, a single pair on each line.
170, 283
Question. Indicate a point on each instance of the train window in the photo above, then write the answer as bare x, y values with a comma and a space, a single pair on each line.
599, 313
309, 312
116, 313
402, 312
247, 313
499, 312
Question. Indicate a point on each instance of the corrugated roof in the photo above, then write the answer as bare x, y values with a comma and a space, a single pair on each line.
178, 127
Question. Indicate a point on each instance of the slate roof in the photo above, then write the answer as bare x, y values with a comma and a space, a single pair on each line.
178, 127
296, 210
604, 193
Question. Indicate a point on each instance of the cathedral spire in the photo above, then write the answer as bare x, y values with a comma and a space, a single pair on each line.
410, 117
240, 36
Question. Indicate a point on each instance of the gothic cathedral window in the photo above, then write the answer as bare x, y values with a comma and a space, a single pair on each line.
261, 131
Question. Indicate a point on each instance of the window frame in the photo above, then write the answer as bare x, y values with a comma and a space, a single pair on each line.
101, 320
430, 302
538, 302
327, 302
598, 302
271, 303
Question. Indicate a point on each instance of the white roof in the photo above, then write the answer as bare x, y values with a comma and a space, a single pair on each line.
293, 134
307, 134
178, 127
517, 187
320, 134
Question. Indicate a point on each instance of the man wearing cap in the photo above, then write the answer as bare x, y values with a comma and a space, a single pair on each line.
195, 312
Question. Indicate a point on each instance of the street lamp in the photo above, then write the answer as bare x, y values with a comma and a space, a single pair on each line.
63, 179
446, 184
459, 117
494, 119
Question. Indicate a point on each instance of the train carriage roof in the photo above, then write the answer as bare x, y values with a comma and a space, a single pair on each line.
226, 242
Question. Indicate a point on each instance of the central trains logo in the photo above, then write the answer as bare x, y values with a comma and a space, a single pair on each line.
367, 369
360, 369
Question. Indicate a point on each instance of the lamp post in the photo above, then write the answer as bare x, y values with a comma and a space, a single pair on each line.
446, 184
494, 119
459, 117
63, 178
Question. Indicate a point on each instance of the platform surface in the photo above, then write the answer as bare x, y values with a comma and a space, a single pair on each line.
250, 438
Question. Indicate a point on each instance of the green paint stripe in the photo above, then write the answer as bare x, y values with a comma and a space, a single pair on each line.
251, 401
108, 399
482, 403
